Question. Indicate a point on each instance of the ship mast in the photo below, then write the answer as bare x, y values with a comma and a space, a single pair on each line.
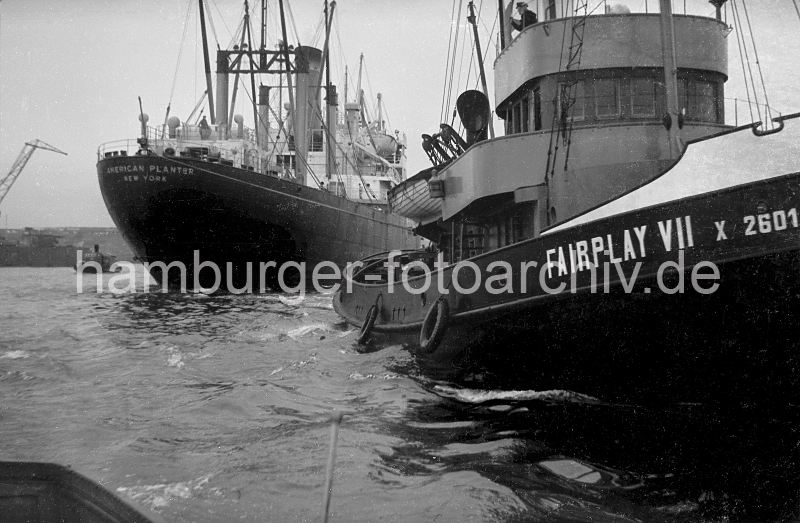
249, 30
502, 24
673, 120
472, 20
207, 63
300, 167
331, 101
263, 25
359, 91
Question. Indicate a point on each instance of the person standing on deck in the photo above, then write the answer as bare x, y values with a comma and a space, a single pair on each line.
526, 17
205, 129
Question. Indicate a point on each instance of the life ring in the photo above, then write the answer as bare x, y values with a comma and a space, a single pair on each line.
366, 327
434, 326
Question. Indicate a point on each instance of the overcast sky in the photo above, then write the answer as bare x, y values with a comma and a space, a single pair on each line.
71, 71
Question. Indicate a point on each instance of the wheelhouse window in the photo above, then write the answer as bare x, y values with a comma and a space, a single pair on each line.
702, 101
550, 10
517, 118
699, 98
633, 95
643, 98
606, 97
518, 115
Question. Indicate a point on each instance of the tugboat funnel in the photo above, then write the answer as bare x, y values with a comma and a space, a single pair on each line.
473, 109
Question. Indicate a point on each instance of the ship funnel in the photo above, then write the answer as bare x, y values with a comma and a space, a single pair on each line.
308, 62
473, 109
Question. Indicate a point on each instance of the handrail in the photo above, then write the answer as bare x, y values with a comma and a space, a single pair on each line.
766, 109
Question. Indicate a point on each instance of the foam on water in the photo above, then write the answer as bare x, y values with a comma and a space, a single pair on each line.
15, 355
162, 494
483, 396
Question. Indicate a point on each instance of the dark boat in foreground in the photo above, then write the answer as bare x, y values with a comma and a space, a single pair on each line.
46, 492
649, 257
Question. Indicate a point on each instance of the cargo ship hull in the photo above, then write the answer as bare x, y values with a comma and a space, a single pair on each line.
188, 210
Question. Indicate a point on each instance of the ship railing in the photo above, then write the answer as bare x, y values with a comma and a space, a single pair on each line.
238, 150
744, 112
127, 147
548, 10
194, 132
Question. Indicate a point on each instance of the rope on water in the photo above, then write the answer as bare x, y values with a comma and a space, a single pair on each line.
336, 420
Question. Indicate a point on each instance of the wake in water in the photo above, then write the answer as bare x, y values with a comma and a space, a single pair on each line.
486, 396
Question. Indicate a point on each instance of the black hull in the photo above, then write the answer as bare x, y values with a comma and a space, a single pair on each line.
738, 343
47, 492
168, 208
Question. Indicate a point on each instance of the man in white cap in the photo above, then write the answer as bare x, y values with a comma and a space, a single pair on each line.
526, 17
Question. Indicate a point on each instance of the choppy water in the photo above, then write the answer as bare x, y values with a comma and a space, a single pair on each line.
216, 409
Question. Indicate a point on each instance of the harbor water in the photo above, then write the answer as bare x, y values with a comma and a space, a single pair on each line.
217, 408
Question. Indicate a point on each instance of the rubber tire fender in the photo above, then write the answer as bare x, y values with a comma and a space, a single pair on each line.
366, 327
434, 326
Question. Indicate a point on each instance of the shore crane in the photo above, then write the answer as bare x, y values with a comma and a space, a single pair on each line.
19, 164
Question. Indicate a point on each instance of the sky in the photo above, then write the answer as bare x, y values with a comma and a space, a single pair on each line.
71, 72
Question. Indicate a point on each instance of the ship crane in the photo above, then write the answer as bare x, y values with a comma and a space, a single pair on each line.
19, 164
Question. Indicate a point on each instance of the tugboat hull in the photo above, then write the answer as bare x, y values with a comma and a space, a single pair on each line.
687, 299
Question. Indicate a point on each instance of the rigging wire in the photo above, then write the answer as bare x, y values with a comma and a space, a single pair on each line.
454, 55
319, 31
447, 63
371, 91
180, 51
453, 62
342, 54
767, 109
291, 19
488, 43
744, 55
460, 68
180, 54
472, 51
211, 21
796, 9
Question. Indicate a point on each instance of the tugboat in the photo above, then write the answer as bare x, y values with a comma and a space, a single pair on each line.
620, 240
304, 184
96, 261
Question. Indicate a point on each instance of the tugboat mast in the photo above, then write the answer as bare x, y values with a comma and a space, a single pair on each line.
472, 20
673, 120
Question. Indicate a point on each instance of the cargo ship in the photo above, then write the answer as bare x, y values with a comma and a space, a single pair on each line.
306, 183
